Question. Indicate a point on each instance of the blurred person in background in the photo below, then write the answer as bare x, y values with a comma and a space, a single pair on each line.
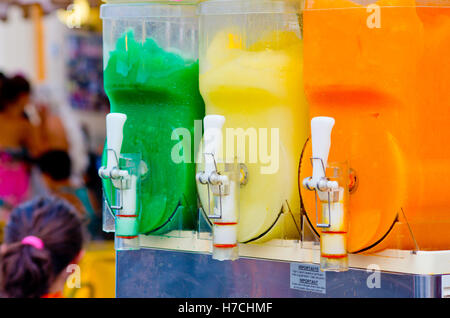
55, 166
42, 238
41, 151
64, 129
20, 142
61, 164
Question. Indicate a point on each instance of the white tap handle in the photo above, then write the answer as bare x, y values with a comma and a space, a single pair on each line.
114, 137
321, 141
212, 140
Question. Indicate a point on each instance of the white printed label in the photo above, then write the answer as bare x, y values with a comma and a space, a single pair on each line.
308, 277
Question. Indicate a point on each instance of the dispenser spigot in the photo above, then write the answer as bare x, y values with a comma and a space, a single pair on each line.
213, 178
113, 173
124, 181
212, 141
224, 186
114, 139
217, 183
323, 184
332, 195
321, 141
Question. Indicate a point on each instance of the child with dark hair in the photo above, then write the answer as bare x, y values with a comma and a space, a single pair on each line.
42, 238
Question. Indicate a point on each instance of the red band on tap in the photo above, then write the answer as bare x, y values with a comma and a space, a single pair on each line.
126, 216
229, 223
225, 245
334, 232
126, 237
334, 256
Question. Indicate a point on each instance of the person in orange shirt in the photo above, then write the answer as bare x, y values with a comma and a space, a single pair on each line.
42, 238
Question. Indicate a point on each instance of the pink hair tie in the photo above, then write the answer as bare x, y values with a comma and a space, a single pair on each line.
34, 241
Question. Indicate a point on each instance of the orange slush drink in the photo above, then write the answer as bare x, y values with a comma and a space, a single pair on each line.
370, 69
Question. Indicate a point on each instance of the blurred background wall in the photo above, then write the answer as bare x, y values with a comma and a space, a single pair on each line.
17, 55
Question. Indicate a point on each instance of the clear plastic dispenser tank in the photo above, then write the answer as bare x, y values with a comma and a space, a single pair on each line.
151, 79
251, 70
381, 70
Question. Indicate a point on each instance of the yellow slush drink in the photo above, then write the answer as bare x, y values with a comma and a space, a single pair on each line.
259, 90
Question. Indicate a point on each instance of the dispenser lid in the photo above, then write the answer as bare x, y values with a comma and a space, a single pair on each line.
221, 7
138, 9
345, 4
152, 1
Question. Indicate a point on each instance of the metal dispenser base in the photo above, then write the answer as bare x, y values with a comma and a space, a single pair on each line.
165, 273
